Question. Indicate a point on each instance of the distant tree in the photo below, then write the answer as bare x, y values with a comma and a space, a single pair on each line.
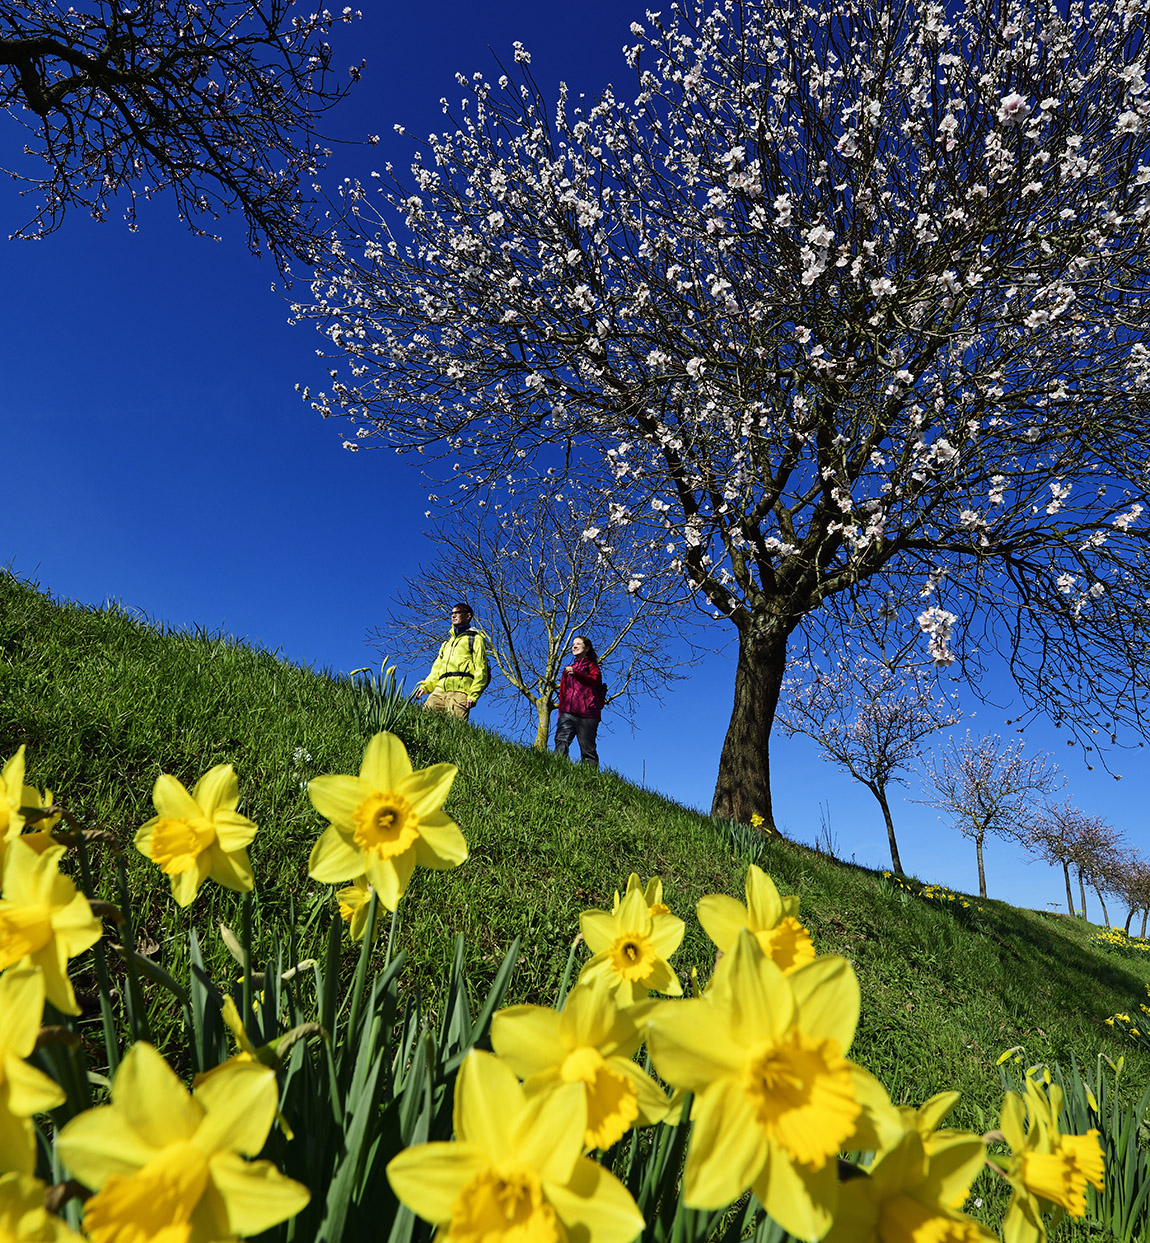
1130, 879
841, 305
535, 582
869, 719
215, 101
984, 787
1100, 856
1057, 833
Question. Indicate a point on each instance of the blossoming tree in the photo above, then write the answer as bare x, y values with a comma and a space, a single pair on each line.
216, 102
983, 787
842, 307
869, 719
536, 582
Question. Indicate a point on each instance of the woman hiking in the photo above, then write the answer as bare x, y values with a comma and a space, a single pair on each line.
581, 696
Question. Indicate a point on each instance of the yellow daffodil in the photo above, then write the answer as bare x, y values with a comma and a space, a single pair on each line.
355, 905
926, 1118
384, 822
40, 838
11, 800
911, 1196
196, 836
653, 893
775, 1098
591, 1042
631, 947
24, 1090
1048, 1170
516, 1171
44, 921
167, 1164
23, 1217
770, 917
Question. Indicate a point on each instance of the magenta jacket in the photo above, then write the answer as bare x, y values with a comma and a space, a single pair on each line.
580, 693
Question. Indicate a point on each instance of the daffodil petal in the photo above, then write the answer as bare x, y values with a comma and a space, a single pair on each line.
429, 1177
691, 1045
21, 1008
440, 846
30, 1091
233, 831
240, 1107
548, 1134
598, 929
728, 1147
100, 1143
385, 763
57, 986
856, 1216
488, 1100
722, 917
334, 859
527, 1038
764, 906
390, 877
666, 934
800, 1199
217, 790
760, 998
826, 993
427, 790
594, 1205
154, 1103
954, 1162
253, 1195
172, 801
1012, 1121
185, 885
17, 1144
232, 870
336, 797
879, 1125
933, 1112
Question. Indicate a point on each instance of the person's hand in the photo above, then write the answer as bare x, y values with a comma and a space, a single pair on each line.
471, 704
420, 691
569, 669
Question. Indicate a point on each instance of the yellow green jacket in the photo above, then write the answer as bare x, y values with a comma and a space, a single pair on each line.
461, 665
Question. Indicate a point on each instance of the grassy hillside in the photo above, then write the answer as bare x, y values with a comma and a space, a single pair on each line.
106, 702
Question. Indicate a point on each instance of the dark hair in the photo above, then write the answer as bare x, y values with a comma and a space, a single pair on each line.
588, 647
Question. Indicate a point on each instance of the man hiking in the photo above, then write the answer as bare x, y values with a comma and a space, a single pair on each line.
460, 672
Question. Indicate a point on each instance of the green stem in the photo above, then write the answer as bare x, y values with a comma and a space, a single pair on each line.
358, 983
107, 1016
137, 1015
249, 1013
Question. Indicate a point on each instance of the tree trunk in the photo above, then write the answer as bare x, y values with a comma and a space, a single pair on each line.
1145, 912
1069, 891
543, 732
981, 870
1129, 918
1102, 903
743, 786
895, 861
1082, 891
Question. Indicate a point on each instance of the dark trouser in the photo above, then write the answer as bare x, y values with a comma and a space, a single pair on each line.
582, 727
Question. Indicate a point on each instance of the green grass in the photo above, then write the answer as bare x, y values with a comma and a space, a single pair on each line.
105, 702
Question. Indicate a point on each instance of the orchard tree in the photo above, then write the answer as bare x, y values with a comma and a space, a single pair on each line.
843, 306
983, 787
869, 719
1132, 884
1057, 834
535, 581
215, 101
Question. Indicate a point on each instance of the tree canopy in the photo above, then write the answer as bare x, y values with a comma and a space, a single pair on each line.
843, 306
216, 102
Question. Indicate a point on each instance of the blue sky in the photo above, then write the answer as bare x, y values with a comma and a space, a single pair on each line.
156, 453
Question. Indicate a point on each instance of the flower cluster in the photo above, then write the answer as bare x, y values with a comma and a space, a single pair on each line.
754, 1065
757, 1060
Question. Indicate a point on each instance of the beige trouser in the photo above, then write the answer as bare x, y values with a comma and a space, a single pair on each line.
453, 702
